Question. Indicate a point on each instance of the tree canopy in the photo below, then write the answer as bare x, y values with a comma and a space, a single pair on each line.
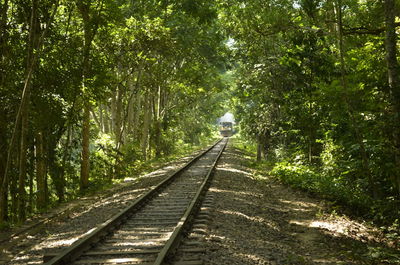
92, 89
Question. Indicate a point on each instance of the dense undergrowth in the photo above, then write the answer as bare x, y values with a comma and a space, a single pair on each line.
347, 198
132, 167
105, 175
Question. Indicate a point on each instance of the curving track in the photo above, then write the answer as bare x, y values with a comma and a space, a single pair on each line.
149, 230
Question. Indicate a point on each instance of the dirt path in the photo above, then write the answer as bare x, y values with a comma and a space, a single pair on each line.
259, 221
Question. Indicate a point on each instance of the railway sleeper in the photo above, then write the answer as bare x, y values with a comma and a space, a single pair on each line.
139, 249
114, 261
48, 256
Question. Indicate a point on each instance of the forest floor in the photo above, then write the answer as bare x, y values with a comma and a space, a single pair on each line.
257, 220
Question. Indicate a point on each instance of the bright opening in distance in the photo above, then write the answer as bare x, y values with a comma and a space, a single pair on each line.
228, 117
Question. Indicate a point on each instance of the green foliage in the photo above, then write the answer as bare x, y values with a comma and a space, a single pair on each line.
310, 179
150, 73
326, 121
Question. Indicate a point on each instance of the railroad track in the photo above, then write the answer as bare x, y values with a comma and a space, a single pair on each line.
149, 230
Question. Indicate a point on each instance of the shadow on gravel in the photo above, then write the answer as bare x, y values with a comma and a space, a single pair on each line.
262, 222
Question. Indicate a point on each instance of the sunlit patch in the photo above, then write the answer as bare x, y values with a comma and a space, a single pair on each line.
129, 179
22, 258
220, 238
255, 219
251, 218
328, 226
299, 205
300, 223
234, 192
251, 257
61, 243
153, 242
336, 227
230, 169
123, 260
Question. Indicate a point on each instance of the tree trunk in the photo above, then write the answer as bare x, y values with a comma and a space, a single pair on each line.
137, 105
106, 119
113, 110
33, 42
4, 38
130, 111
394, 82
96, 119
3, 161
101, 120
262, 145
118, 115
136, 118
22, 164
157, 123
3, 120
85, 162
259, 153
14, 199
89, 31
66, 153
54, 169
146, 125
31, 177
40, 172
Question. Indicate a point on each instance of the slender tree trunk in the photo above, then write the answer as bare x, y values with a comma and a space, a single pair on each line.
262, 146
96, 119
101, 120
25, 98
106, 119
31, 176
136, 118
54, 168
394, 81
130, 110
259, 149
40, 172
3, 120
89, 32
137, 104
113, 110
3, 161
85, 163
65, 156
14, 199
4, 37
118, 115
311, 129
23, 165
146, 125
157, 123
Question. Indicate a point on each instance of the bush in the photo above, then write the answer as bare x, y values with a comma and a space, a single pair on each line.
311, 179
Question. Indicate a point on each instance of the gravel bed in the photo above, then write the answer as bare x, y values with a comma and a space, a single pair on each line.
80, 217
259, 221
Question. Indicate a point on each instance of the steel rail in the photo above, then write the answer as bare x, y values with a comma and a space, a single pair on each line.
93, 236
173, 243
